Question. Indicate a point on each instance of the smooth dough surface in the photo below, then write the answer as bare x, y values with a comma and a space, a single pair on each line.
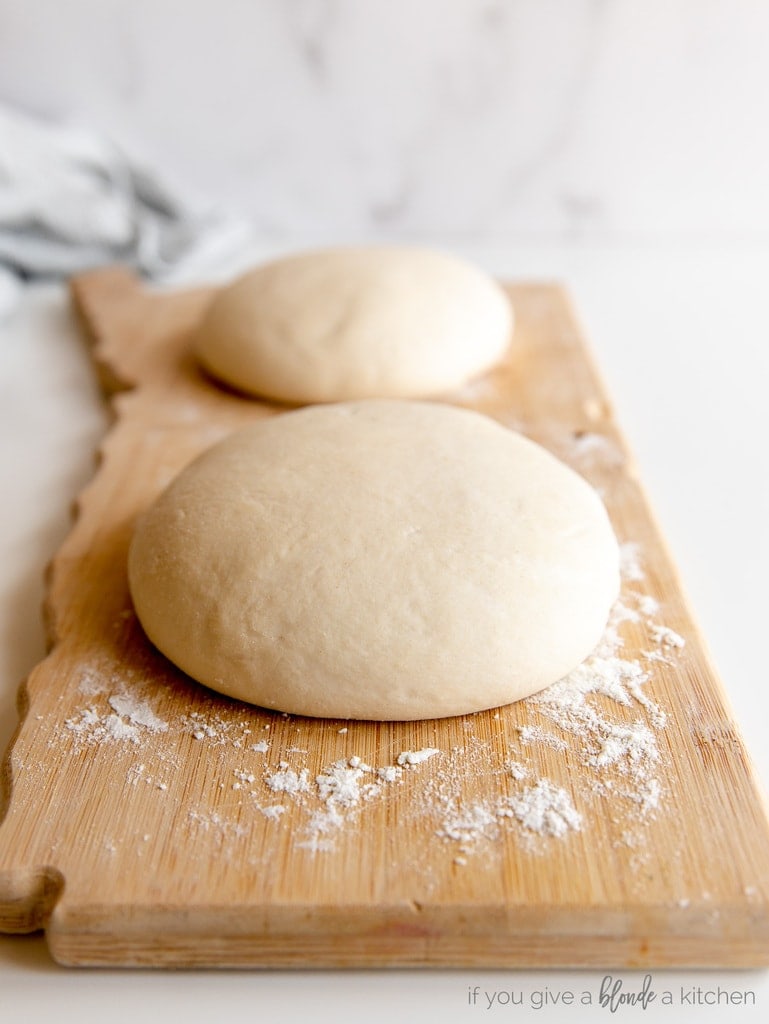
375, 560
358, 322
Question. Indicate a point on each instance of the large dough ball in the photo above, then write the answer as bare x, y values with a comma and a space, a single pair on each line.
376, 560
371, 322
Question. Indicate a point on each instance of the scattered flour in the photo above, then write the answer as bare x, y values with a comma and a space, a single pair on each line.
665, 636
219, 730
91, 682
467, 824
341, 787
591, 450
137, 712
242, 778
540, 809
273, 811
286, 780
546, 809
340, 782
599, 718
220, 826
409, 757
124, 723
536, 734
577, 704
630, 562
648, 605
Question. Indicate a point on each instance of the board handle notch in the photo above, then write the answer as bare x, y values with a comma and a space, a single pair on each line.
27, 898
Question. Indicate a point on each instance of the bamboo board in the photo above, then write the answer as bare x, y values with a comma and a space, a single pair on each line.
140, 827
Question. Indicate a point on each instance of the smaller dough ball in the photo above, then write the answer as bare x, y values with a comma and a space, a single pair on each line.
370, 322
375, 560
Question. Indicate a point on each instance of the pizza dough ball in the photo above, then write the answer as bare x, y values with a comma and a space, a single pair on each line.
371, 322
375, 560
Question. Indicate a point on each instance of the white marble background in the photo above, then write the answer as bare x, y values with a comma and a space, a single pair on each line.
626, 120
620, 145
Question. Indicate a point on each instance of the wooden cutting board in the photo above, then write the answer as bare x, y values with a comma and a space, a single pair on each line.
149, 821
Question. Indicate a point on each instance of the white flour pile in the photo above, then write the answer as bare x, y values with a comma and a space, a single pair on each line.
540, 808
126, 721
545, 809
335, 796
220, 730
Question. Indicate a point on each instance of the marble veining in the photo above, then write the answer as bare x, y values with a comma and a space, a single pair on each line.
423, 118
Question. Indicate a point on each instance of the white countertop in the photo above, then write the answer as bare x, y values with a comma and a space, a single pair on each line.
682, 338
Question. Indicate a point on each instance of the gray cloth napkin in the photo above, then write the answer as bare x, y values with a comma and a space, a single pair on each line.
71, 199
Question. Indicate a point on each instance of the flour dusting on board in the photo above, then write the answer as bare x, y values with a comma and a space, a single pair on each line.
125, 722
546, 809
599, 719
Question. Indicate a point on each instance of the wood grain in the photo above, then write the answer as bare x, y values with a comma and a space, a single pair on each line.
146, 844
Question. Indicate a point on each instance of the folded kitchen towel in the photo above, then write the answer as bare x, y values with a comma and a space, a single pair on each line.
72, 199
